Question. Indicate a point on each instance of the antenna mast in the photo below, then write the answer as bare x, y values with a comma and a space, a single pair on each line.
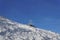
30, 22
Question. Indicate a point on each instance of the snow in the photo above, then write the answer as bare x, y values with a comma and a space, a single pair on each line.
10, 30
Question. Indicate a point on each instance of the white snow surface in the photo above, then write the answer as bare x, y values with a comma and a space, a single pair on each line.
10, 30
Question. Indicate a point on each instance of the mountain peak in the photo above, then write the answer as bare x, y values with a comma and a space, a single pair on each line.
10, 30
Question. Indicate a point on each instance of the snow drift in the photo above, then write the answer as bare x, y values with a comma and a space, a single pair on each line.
10, 30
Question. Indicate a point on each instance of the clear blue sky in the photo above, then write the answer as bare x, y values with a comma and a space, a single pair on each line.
45, 14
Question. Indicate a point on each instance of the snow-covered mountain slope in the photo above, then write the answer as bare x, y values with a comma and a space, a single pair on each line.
10, 30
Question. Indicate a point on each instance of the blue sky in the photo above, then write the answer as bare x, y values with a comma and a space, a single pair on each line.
44, 14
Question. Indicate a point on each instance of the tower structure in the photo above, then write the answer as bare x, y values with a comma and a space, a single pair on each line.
30, 23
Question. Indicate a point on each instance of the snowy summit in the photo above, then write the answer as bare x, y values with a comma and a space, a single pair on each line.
10, 30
